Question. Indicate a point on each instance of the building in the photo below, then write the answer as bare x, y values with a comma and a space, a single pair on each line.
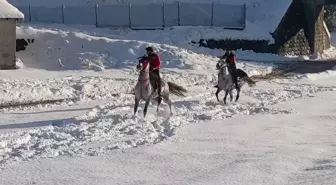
9, 15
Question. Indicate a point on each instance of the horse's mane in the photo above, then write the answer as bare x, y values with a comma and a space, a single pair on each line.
144, 60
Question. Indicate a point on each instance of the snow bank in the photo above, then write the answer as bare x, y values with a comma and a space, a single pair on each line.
9, 11
63, 50
58, 47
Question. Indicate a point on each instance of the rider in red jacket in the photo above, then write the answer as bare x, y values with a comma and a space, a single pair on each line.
154, 61
231, 65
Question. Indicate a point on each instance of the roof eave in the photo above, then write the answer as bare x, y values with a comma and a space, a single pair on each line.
10, 18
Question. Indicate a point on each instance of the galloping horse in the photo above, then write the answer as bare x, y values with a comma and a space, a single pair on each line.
146, 88
225, 81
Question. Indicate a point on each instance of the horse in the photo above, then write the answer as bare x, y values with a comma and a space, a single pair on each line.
225, 81
146, 88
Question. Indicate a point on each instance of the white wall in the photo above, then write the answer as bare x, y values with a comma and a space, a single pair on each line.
142, 15
7, 43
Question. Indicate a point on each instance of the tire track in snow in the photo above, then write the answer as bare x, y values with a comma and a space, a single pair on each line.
113, 126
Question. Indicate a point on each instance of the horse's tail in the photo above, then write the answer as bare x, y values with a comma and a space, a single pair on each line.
243, 75
249, 81
176, 89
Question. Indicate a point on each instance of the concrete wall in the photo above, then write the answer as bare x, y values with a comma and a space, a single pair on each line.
7, 43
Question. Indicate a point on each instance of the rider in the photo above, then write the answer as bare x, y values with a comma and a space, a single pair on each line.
154, 61
231, 65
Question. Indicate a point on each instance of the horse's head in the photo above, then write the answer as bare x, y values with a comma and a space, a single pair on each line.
142, 63
221, 63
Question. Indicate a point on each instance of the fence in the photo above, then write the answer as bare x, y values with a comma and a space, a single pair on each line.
141, 16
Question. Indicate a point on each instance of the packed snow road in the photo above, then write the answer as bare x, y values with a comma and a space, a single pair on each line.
272, 136
100, 119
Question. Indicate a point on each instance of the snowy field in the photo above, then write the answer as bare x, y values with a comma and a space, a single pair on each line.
78, 127
67, 115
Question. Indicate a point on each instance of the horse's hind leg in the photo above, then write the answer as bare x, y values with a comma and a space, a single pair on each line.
231, 95
167, 100
226, 93
136, 104
217, 92
159, 100
238, 92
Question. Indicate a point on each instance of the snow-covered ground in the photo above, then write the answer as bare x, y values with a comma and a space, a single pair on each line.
77, 125
297, 146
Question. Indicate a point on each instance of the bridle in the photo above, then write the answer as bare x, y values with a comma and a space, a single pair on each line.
142, 70
220, 64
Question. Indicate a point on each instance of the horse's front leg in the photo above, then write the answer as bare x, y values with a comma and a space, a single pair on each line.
147, 103
159, 100
136, 104
226, 93
217, 92
231, 95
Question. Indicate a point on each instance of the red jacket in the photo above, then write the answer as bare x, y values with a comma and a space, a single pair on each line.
154, 61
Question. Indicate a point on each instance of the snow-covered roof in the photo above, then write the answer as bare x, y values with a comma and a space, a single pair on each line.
8, 11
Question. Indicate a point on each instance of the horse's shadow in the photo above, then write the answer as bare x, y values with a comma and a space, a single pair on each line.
185, 104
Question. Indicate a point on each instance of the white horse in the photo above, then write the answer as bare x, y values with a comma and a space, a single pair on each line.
144, 89
225, 81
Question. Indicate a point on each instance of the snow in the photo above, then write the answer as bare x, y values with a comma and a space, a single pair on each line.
9, 11
66, 115
87, 47
288, 148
